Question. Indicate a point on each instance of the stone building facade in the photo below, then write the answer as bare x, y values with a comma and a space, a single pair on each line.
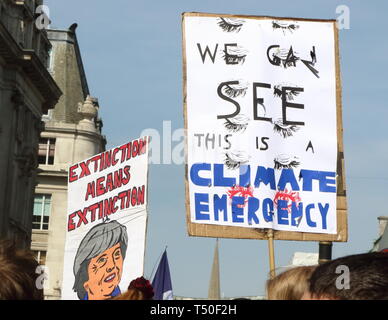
27, 91
72, 132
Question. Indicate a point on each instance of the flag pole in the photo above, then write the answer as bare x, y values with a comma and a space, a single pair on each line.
156, 264
271, 253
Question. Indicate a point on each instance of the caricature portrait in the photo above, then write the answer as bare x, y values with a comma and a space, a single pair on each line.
98, 264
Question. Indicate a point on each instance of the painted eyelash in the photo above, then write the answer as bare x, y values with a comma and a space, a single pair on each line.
284, 161
230, 25
281, 55
284, 130
234, 55
290, 94
234, 91
275, 25
233, 160
283, 26
237, 123
234, 58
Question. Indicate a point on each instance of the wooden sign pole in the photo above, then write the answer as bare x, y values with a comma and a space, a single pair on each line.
271, 254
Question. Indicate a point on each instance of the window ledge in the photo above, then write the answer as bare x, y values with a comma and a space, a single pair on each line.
37, 231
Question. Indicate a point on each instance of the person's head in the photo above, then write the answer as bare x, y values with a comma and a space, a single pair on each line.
290, 284
131, 294
18, 274
139, 289
355, 277
98, 264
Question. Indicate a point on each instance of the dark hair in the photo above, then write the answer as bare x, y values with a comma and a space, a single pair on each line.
139, 289
143, 285
18, 273
368, 278
98, 239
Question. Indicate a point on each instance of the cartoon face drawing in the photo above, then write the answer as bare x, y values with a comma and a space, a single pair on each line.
98, 264
104, 273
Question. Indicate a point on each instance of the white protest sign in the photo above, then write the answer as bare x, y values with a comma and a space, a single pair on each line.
261, 122
106, 222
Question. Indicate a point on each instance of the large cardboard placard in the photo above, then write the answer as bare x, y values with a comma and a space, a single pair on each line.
262, 107
106, 222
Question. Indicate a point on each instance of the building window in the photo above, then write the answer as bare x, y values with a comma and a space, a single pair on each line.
40, 256
46, 151
42, 208
50, 61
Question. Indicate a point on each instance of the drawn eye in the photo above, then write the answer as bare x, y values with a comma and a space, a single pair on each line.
234, 55
101, 260
117, 254
235, 90
284, 130
284, 26
233, 160
284, 161
230, 25
290, 94
286, 57
280, 54
237, 123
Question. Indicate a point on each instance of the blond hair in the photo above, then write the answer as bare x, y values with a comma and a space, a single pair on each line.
291, 284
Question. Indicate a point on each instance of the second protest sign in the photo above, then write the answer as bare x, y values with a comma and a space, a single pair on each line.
263, 120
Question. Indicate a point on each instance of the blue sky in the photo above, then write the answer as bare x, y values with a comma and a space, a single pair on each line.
132, 56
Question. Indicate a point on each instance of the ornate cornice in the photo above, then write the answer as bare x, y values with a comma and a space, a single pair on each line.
32, 66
